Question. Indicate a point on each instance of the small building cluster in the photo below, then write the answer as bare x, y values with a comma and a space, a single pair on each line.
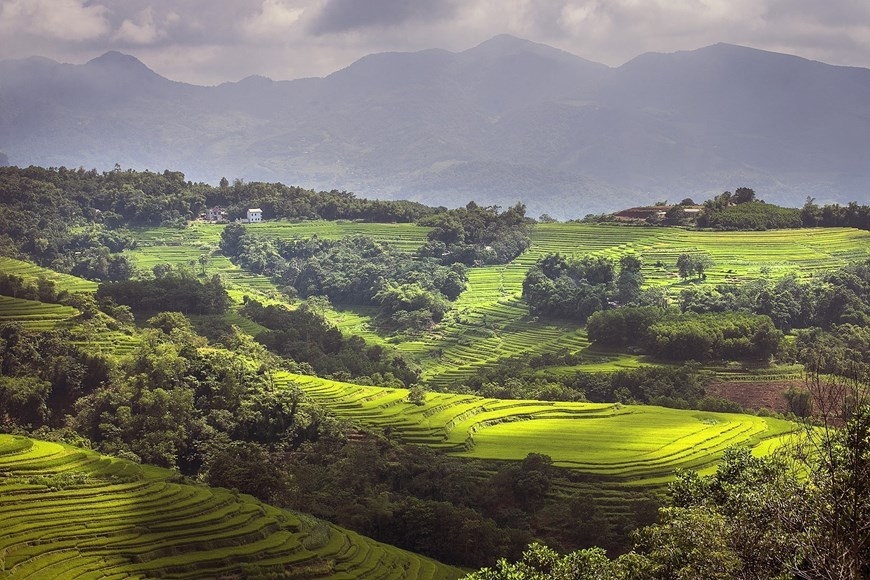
217, 215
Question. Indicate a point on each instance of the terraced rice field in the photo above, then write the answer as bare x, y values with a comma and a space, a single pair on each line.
70, 513
114, 343
407, 237
31, 272
237, 281
34, 315
736, 255
489, 321
492, 300
641, 444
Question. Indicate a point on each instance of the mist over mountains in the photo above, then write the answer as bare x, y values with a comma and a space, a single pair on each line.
506, 121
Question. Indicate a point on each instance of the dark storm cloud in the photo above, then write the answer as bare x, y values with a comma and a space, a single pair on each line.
348, 15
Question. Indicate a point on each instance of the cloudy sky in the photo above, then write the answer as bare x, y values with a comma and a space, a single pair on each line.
212, 41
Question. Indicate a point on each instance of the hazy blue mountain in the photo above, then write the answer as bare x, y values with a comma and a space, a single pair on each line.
505, 121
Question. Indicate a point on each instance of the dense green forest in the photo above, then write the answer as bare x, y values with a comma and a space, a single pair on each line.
303, 335
476, 235
575, 288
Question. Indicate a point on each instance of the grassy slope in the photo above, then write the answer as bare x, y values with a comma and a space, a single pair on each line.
634, 445
66, 512
489, 321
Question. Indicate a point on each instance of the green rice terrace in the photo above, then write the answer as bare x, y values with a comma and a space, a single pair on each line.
489, 321
31, 272
626, 443
71, 513
34, 315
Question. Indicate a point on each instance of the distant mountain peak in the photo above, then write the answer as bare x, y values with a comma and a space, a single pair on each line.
507, 43
723, 50
503, 45
257, 79
119, 61
503, 40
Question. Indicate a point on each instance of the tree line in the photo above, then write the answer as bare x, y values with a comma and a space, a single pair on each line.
304, 336
527, 377
742, 210
841, 296
689, 336
173, 290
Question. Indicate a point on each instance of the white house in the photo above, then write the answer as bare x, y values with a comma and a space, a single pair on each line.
255, 215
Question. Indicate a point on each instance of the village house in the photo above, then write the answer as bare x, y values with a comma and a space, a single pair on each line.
255, 215
215, 214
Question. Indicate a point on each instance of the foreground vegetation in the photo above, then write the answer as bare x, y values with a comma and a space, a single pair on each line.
801, 513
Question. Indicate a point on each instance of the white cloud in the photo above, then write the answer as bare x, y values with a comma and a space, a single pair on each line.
274, 19
140, 30
65, 20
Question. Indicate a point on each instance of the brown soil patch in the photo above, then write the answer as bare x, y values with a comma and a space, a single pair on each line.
755, 395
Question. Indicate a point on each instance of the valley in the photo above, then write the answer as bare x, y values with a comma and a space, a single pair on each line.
214, 352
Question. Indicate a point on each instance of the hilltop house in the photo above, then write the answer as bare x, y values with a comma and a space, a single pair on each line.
255, 215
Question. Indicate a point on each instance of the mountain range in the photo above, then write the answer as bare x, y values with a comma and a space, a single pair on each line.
508, 120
